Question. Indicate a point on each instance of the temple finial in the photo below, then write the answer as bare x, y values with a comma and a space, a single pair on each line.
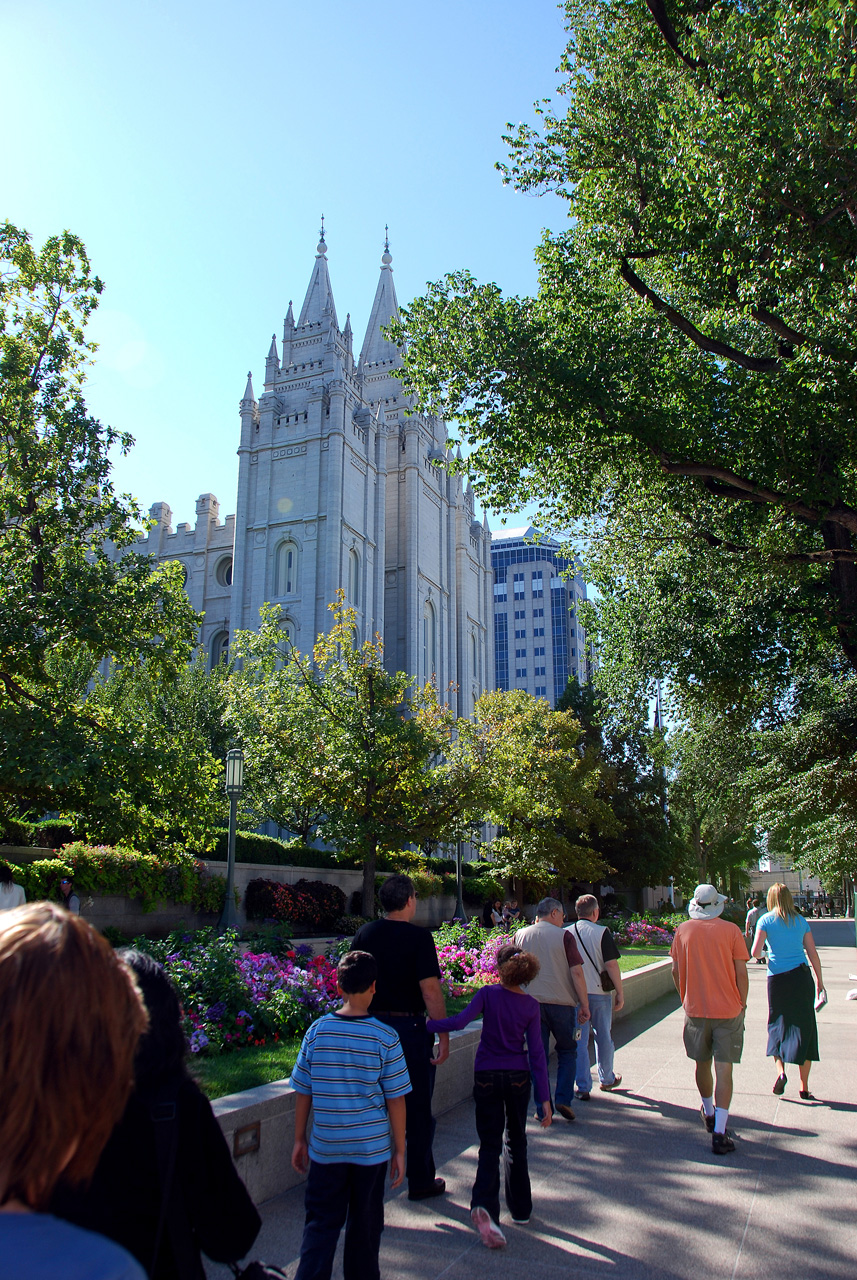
386, 238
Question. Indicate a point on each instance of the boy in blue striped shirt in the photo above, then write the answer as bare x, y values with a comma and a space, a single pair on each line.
352, 1071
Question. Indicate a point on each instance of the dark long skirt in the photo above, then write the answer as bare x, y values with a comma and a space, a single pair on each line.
792, 1032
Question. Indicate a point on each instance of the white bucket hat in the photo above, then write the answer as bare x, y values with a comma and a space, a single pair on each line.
706, 903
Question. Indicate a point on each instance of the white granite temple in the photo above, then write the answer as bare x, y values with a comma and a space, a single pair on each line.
338, 486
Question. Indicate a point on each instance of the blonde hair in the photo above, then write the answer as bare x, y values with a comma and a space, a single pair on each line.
70, 1019
781, 902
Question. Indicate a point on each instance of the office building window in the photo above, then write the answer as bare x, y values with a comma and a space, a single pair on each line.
521, 673
521, 634
499, 591
538, 631
541, 691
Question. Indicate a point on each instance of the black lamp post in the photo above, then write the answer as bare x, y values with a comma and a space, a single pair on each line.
234, 785
460, 913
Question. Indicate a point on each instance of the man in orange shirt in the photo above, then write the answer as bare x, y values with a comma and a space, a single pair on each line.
710, 960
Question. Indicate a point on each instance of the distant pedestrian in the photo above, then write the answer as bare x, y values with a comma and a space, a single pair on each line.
497, 915
351, 1071
754, 910
510, 1049
600, 956
69, 899
792, 1030
408, 986
560, 989
11, 895
709, 966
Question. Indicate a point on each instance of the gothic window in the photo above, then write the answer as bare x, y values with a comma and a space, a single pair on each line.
429, 641
223, 572
219, 649
354, 579
286, 569
473, 662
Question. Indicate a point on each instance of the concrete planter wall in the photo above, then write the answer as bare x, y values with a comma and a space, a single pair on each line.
259, 1124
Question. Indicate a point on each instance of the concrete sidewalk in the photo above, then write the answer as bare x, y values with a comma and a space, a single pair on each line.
631, 1190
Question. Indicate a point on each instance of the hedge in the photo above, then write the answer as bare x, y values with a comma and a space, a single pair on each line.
102, 869
311, 902
270, 852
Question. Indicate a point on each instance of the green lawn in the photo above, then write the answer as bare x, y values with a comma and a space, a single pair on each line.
638, 957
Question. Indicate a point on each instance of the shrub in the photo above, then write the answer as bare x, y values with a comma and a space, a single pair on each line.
312, 902
479, 890
102, 869
52, 833
427, 884
269, 851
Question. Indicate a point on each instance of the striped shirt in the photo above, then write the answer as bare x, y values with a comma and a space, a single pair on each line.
350, 1067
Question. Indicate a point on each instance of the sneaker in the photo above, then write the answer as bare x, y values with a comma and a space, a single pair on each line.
708, 1121
585, 1096
489, 1233
520, 1222
437, 1188
721, 1144
614, 1084
564, 1110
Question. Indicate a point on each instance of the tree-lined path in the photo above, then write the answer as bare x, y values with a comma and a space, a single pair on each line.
631, 1190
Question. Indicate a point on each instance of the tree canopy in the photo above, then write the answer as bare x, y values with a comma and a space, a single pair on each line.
66, 602
681, 390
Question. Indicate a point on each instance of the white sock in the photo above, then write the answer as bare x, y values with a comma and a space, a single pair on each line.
708, 1105
721, 1115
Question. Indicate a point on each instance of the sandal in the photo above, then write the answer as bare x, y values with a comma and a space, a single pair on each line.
807, 1096
780, 1084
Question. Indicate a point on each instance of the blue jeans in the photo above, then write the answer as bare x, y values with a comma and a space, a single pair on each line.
600, 1019
560, 1021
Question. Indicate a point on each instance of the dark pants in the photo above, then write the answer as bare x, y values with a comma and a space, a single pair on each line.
417, 1047
502, 1098
559, 1021
343, 1194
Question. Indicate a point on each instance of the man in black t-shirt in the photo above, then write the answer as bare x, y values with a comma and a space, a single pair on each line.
408, 986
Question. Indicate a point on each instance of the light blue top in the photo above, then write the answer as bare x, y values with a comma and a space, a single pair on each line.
38, 1246
350, 1067
785, 941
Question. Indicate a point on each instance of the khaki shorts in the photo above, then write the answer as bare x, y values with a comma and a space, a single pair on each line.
719, 1038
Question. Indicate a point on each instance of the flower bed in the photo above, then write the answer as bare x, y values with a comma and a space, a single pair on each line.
638, 932
232, 1000
102, 869
468, 955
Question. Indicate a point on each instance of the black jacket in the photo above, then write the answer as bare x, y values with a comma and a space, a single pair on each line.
124, 1198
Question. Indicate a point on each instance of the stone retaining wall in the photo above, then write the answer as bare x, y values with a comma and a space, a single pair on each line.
259, 1124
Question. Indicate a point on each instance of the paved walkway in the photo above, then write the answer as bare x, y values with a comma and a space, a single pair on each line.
631, 1190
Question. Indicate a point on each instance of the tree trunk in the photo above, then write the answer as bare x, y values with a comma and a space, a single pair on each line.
843, 582
369, 867
699, 850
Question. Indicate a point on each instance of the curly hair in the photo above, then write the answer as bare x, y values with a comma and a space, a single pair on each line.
516, 967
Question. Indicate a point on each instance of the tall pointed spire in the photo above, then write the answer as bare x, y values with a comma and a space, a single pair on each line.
272, 362
249, 396
384, 309
318, 303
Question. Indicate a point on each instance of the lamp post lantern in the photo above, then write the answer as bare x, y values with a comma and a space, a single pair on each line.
233, 786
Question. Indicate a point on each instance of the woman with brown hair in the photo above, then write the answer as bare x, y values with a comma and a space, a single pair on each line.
70, 1020
792, 1030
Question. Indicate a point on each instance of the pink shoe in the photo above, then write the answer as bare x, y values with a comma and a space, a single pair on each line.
490, 1234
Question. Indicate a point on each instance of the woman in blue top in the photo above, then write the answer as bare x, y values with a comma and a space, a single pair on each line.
792, 1032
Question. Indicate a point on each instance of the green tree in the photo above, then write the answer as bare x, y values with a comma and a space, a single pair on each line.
644, 849
708, 800
802, 778
681, 390
66, 601
349, 742
538, 782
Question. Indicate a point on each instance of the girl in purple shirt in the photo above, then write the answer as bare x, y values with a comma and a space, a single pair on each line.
510, 1051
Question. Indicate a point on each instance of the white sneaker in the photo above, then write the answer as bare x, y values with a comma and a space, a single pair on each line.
490, 1234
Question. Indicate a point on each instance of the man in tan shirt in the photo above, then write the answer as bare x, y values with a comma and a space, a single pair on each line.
560, 989
709, 965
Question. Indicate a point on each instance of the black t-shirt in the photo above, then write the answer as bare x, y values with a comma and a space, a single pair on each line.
406, 955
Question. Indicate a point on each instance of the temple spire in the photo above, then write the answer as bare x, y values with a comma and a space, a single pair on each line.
318, 303
377, 348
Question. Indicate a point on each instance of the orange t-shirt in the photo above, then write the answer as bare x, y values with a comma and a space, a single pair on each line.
704, 952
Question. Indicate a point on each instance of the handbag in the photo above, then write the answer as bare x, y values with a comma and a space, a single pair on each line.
607, 983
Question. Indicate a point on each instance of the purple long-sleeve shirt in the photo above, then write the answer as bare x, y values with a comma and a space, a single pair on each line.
511, 1026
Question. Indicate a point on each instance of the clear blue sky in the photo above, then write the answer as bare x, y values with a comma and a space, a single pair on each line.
193, 147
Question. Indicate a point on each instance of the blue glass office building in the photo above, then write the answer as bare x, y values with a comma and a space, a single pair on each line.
538, 641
